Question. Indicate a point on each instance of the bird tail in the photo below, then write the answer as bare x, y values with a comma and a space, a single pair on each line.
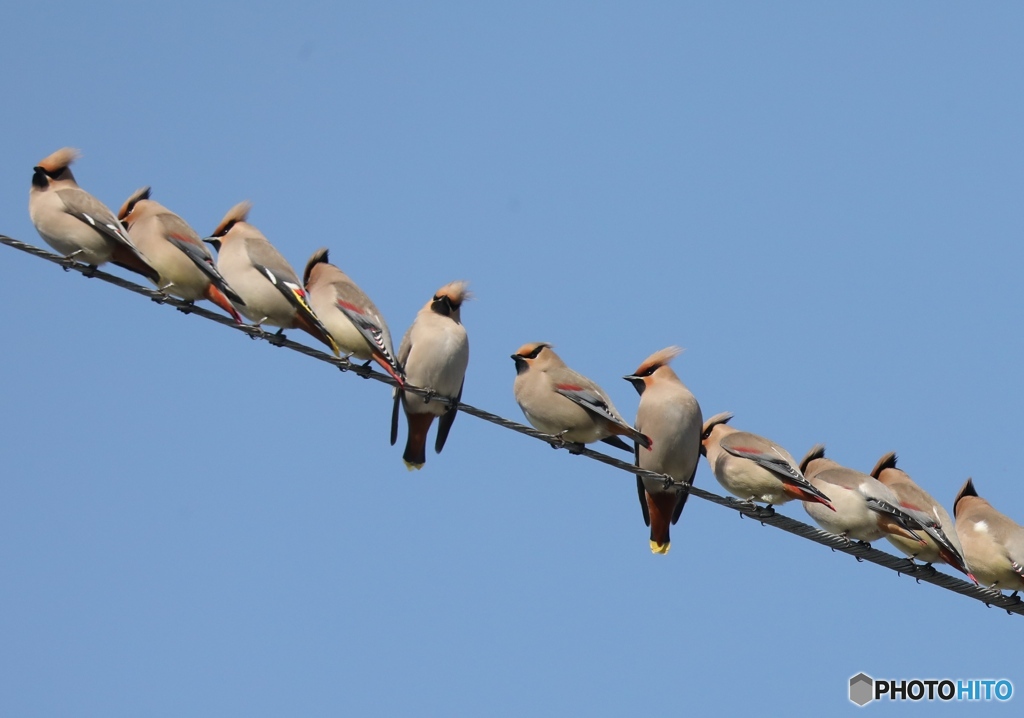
661, 507
218, 297
415, 455
806, 493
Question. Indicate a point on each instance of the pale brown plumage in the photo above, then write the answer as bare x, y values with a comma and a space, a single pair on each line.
76, 224
434, 353
993, 543
559, 401
670, 417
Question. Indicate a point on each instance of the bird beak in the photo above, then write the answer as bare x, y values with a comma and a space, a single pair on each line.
213, 242
637, 382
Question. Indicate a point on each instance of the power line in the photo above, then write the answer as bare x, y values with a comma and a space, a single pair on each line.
766, 516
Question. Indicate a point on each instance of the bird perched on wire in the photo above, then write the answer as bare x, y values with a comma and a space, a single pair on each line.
75, 223
753, 468
993, 543
862, 507
176, 252
434, 353
354, 322
940, 540
263, 278
558, 401
670, 417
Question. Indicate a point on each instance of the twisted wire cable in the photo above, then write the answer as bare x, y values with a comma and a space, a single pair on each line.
765, 515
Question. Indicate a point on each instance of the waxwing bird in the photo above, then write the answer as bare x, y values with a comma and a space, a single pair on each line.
753, 468
863, 508
75, 223
434, 354
176, 252
670, 417
352, 319
558, 401
263, 278
940, 539
993, 543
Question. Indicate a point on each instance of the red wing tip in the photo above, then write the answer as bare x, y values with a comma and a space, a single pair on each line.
351, 307
568, 387
746, 450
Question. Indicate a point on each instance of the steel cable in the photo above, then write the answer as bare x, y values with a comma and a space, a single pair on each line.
765, 515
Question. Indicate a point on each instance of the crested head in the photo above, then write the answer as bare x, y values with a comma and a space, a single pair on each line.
657, 360
319, 257
817, 452
531, 349
888, 461
447, 301
129, 204
59, 160
966, 491
456, 293
238, 213
714, 421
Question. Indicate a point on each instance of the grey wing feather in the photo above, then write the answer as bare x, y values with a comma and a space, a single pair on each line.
773, 462
372, 332
640, 487
902, 517
444, 424
595, 403
83, 206
202, 260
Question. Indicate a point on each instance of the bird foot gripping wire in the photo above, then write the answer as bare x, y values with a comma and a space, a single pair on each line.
278, 338
68, 262
363, 370
557, 441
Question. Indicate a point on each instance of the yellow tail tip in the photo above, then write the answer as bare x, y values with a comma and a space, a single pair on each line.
661, 548
414, 467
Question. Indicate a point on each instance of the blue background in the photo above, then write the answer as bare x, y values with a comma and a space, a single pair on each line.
821, 202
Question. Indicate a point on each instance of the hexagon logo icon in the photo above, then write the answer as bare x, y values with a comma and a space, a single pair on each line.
862, 689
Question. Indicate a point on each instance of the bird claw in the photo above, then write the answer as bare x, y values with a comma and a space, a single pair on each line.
278, 338
429, 396
159, 296
185, 308
68, 262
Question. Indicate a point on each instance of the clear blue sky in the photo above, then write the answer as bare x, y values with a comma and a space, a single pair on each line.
821, 202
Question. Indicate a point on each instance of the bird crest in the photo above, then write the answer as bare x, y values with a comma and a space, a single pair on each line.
531, 349
457, 292
238, 213
59, 160
714, 421
129, 204
886, 462
966, 490
319, 257
817, 452
658, 359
